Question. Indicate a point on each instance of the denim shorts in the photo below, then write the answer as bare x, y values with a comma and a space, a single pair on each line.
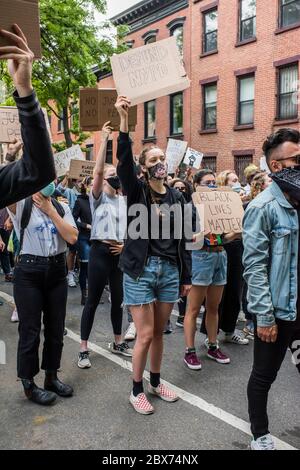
84, 249
209, 268
159, 281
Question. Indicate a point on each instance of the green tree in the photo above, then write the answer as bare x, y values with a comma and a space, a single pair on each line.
72, 45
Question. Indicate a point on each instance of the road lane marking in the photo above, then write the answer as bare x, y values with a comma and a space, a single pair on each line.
193, 400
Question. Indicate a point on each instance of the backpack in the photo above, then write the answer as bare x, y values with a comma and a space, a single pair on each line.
26, 214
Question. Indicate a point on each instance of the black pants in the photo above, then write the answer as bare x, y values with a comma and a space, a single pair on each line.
268, 358
103, 267
4, 255
40, 287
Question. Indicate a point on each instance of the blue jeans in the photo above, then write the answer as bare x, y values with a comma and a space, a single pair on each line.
159, 281
209, 268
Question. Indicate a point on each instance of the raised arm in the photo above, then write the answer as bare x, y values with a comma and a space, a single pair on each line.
126, 167
100, 162
36, 169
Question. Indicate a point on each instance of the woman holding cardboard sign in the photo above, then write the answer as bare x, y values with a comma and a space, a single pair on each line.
154, 266
107, 237
209, 276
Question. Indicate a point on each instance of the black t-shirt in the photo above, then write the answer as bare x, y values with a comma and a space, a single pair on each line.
161, 245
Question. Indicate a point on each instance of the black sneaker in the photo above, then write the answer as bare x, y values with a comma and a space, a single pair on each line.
180, 321
122, 349
169, 328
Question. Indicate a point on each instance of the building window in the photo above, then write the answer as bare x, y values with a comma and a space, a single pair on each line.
288, 87
177, 31
210, 106
150, 118
150, 39
109, 152
210, 163
60, 123
240, 163
176, 114
89, 152
289, 12
210, 27
246, 86
247, 19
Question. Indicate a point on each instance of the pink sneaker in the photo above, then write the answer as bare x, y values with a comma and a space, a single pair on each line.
163, 392
192, 361
218, 356
141, 404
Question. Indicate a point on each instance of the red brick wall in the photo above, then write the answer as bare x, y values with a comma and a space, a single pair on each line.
268, 49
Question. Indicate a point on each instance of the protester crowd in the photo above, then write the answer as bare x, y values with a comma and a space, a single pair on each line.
50, 230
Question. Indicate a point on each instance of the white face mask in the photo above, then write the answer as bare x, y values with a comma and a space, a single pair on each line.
237, 187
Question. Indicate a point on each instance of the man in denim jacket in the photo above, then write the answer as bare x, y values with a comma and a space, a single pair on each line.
271, 238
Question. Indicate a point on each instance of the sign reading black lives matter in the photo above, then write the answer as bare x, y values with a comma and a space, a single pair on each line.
148, 72
223, 210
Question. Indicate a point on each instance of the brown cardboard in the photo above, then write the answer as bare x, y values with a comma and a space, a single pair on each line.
10, 127
97, 106
26, 14
80, 169
223, 210
149, 72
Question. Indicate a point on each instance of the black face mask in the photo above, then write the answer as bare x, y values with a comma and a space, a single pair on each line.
114, 182
288, 180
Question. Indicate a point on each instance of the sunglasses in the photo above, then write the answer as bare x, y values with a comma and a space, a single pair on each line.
294, 157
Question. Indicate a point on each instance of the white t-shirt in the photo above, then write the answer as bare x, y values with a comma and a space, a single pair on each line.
109, 217
41, 237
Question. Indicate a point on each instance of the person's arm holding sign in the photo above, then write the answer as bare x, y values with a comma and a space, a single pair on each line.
99, 168
126, 167
36, 169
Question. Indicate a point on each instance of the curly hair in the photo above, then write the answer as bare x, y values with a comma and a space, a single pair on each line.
257, 185
222, 178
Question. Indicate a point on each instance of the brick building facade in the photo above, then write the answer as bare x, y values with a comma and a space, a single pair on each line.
243, 59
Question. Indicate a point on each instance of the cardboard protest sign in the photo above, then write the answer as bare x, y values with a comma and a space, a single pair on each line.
263, 165
223, 210
10, 127
148, 72
175, 153
80, 169
193, 158
26, 14
97, 106
63, 159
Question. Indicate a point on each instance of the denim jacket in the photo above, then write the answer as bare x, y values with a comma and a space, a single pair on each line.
270, 237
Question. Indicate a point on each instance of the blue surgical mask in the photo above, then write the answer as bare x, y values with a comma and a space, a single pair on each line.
48, 191
237, 187
212, 186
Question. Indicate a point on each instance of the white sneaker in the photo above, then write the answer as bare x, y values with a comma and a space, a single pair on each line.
206, 343
202, 309
71, 279
84, 360
130, 334
263, 443
14, 317
236, 338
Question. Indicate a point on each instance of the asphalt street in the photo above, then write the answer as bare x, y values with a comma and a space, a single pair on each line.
211, 414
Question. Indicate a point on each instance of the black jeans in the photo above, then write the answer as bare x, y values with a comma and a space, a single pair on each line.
103, 267
232, 297
40, 287
4, 255
268, 358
